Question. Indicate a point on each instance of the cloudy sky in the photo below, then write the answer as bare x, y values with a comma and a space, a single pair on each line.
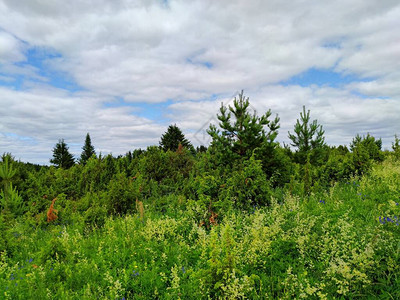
125, 70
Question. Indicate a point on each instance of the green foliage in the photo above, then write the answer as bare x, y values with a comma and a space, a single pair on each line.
242, 132
121, 195
61, 156
396, 147
87, 150
341, 243
365, 150
171, 139
247, 186
6, 171
239, 220
307, 136
11, 201
371, 146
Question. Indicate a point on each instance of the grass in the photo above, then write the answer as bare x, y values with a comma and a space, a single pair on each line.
340, 244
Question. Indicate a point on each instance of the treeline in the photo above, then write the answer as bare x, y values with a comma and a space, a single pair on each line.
242, 168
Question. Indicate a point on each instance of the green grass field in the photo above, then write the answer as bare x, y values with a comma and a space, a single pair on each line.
344, 243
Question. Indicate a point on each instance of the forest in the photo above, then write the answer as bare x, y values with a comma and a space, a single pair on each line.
244, 218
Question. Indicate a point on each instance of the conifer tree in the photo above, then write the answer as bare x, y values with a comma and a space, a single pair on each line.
61, 156
307, 136
396, 147
88, 150
171, 139
245, 132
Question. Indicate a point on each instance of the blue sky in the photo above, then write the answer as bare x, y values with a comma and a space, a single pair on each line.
123, 72
321, 77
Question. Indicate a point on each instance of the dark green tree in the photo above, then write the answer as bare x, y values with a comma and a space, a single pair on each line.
171, 139
241, 132
10, 201
88, 150
368, 145
61, 156
307, 136
396, 147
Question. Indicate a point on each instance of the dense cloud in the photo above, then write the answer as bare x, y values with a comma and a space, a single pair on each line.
104, 67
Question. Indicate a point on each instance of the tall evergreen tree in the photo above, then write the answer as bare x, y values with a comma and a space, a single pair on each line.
171, 139
243, 133
307, 136
61, 156
88, 150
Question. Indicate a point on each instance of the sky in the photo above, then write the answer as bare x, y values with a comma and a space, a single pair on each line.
123, 71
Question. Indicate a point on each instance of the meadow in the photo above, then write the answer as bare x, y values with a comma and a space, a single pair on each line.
342, 242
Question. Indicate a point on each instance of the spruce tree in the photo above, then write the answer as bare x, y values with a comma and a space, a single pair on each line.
61, 156
88, 150
171, 139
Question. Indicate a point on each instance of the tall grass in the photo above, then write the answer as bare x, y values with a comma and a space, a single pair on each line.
343, 243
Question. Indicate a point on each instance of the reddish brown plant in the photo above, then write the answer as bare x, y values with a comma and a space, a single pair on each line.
213, 218
51, 216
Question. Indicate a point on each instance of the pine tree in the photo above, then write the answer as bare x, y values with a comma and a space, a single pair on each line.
306, 137
244, 133
171, 139
88, 150
61, 156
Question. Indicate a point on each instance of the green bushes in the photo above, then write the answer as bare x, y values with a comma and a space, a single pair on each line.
338, 244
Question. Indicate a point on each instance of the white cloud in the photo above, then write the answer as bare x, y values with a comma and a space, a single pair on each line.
154, 51
33, 122
11, 49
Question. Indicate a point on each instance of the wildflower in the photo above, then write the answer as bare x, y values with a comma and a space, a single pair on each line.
183, 270
30, 260
397, 203
389, 219
322, 201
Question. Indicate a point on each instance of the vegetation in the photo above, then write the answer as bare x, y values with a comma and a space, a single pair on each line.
242, 219
174, 137
307, 138
87, 150
61, 156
